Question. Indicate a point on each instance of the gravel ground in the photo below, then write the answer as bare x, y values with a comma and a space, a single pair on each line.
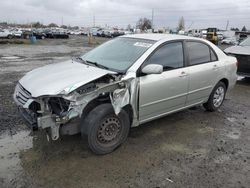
192, 148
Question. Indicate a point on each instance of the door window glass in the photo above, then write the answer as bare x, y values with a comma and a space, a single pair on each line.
170, 56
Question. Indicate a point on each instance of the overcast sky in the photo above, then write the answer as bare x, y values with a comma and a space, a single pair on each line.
197, 13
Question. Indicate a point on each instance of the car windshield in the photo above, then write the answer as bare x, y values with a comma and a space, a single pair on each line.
118, 54
245, 42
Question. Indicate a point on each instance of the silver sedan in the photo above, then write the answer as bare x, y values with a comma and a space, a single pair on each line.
123, 83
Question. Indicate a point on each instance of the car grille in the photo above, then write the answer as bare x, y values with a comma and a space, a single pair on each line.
21, 94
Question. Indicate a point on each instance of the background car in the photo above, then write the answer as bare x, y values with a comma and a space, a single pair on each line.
17, 33
242, 53
229, 41
4, 33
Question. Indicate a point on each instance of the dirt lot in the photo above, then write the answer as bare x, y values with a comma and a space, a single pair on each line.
192, 148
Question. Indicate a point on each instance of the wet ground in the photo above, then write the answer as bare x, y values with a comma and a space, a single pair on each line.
192, 148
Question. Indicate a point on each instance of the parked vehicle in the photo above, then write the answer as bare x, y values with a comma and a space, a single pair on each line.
17, 33
5, 34
56, 33
212, 35
39, 33
220, 36
103, 94
242, 53
229, 41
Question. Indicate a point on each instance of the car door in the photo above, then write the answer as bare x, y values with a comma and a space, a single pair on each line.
204, 71
163, 93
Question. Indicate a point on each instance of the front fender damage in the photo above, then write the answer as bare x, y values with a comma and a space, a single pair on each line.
122, 92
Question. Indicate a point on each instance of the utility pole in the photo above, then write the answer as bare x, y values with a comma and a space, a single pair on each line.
94, 20
152, 20
227, 25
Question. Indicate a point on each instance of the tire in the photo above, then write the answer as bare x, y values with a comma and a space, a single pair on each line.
216, 98
105, 130
9, 36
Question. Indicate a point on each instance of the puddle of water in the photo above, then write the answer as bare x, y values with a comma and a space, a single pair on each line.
10, 147
10, 57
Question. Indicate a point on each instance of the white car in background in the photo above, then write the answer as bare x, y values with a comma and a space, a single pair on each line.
4, 33
229, 41
17, 33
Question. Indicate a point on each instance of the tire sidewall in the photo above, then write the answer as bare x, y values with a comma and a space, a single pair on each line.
211, 103
95, 120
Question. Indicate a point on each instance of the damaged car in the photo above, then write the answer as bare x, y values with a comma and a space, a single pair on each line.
242, 53
123, 83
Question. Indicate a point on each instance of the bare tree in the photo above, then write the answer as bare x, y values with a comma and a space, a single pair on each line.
244, 28
144, 24
181, 24
129, 27
52, 25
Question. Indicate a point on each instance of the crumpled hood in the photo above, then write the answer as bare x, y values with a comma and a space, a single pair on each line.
55, 78
241, 50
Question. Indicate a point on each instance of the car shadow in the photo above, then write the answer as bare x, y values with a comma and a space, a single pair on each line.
244, 81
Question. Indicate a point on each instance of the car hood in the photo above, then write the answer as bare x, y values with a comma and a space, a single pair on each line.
241, 50
60, 78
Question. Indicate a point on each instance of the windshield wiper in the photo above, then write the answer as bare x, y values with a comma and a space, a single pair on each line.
79, 59
96, 64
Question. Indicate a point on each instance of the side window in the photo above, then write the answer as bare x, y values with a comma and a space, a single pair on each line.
198, 53
213, 56
170, 56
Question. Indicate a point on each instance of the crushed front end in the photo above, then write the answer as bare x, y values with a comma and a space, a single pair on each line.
61, 114
43, 112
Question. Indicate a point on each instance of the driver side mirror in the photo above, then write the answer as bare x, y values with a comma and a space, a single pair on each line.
152, 69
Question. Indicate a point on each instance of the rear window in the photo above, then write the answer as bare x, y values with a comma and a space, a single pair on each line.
200, 53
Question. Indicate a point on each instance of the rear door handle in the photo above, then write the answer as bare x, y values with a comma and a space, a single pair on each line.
215, 67
183, 74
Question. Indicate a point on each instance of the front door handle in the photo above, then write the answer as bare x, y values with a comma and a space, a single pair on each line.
183, 74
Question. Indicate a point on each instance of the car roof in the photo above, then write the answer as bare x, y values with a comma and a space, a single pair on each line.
158, 37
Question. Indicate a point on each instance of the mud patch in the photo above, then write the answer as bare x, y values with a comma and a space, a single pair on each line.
235, 134
205, 130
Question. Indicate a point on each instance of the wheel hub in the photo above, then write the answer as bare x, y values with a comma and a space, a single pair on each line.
218, 96
108, 130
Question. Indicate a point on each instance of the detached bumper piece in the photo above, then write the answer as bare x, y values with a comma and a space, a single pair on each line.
29, 117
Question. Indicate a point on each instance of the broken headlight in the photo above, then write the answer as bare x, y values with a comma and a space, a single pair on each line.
58, 105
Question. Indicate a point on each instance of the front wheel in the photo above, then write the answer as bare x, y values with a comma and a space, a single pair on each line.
9, 36
106, 130
216, 98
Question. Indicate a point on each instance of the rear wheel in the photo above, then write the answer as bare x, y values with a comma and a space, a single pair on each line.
216, 98
106, 130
